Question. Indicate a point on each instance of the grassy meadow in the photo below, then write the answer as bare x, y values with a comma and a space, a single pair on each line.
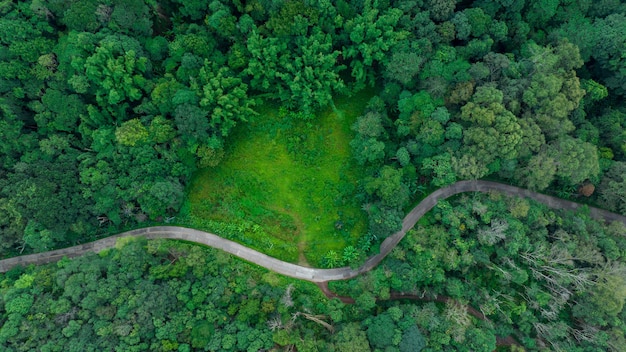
286, 185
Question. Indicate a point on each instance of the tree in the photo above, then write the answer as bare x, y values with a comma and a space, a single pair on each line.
404, 66
331, 259
554, 90
192, 122
538, 173
440, 10
351, 338
495, 132
480, 339
613, 187
412, 340
81, 16
606, 300
576, 160
444, 69
117, 70
389, 187
439, 168
195, 10
161, 197
380, 331
383, 221
128, 17
415, 110
350, 254
49, 181
224, 96
403, 156
131, 132
612, 126
59, 111
302, 72
540, 12
468, 167
609, 38
368, 145
39, 238
370, 34
532, 138
25, 38
13, 140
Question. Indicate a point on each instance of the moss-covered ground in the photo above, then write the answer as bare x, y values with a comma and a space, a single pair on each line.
286, 185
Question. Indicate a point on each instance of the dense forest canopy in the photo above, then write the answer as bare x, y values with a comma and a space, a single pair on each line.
108, 107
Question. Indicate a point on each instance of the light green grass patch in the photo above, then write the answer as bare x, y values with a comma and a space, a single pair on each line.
286, 185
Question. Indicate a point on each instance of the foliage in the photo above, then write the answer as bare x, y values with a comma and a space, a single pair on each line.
154, 295
107, 108
524, 269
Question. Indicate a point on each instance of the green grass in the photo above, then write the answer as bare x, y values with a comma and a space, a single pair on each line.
284, 185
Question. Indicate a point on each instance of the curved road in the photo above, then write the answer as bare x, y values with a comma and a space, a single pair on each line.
296, 271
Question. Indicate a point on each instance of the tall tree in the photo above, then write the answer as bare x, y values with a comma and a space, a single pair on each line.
302, 72
370, 34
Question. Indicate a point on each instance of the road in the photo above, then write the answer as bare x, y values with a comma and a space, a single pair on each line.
299, 272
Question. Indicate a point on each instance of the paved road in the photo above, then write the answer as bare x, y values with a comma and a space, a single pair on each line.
296, 271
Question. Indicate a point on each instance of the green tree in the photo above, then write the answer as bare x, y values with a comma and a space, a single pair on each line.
81, 16
380, 331
468, 167
117, 70
612, 126
613, 187
495, 132
554, 90
131, 132
160, 197
607, 44
331, 259
538, 173
403, 66
606, 300
389, 186
440, 10
439, 168
302, 73
224, 96
412, 340
195, 10
351, 338
576, 160
370, 34
368, 145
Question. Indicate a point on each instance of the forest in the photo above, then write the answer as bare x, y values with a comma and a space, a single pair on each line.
307, 129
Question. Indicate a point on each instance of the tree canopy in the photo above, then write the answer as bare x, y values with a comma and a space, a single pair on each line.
107, 109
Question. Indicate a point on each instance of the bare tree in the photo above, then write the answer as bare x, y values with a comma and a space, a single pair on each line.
286, 300
456, 313
275, 323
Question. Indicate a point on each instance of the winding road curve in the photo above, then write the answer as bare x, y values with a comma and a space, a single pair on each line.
296, 271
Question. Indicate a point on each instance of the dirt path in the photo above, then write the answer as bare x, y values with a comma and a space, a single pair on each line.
301, 257
323, 286
319, 276
301, 240
298, 271
500, 341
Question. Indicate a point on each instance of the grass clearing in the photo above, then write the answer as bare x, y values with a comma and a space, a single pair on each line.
286, 185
